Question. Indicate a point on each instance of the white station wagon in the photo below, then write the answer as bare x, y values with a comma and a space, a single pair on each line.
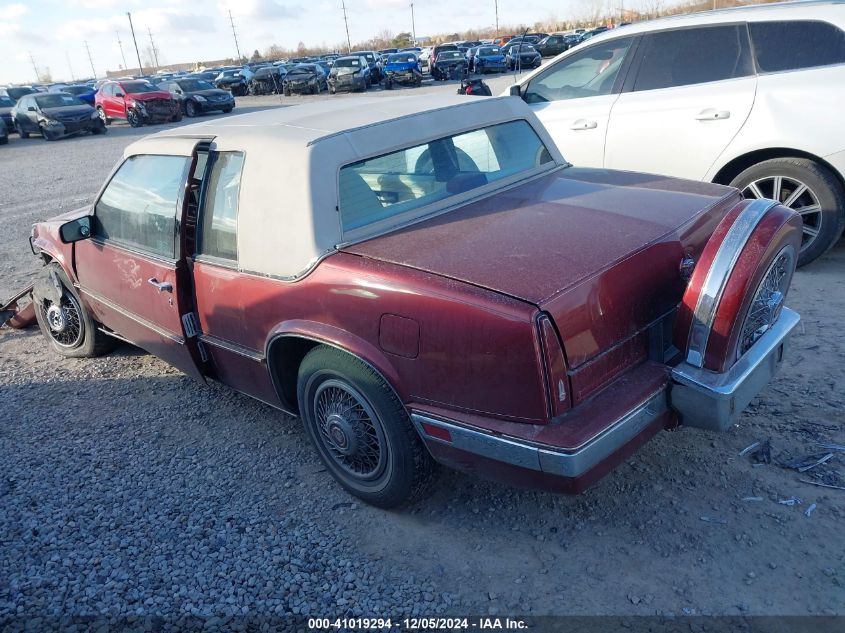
751, 97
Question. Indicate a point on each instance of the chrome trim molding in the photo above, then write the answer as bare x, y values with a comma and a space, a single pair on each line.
710, 400
235, 348
176, 338
543, 458
717, 277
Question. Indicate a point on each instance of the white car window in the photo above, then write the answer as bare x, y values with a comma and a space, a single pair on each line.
711, 53
588, 73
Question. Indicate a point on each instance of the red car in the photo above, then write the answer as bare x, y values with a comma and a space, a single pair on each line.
436, 283
138, 102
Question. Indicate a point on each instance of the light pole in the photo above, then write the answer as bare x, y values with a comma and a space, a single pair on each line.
497, 16
413, 26
132, 28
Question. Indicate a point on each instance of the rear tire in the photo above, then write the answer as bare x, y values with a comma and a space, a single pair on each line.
361, 429
66, 324
103, 117
821, 206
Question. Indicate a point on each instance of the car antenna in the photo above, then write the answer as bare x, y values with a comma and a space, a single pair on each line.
518, 56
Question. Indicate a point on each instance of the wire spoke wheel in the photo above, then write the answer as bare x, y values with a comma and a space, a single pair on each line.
349, 430
64, 321
796, 195
768, 301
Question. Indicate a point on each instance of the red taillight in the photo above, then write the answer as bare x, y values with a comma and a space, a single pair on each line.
469, 90
554, 365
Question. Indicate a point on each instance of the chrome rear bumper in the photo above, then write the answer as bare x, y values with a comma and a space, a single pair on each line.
709, 400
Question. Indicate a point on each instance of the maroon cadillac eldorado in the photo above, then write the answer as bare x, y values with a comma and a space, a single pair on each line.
427, 280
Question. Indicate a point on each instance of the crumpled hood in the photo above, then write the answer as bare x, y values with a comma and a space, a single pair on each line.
148, 96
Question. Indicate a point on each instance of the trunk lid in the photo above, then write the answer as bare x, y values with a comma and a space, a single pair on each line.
598, 250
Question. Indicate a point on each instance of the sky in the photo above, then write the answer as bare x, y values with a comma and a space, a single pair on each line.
54, 32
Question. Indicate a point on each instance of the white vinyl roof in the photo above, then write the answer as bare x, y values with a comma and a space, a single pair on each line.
288, 208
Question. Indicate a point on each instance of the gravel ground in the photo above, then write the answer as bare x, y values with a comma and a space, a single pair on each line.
129, 490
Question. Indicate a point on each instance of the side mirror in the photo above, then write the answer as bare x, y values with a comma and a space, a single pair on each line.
516, 91
119, 94
31, 109
75, 230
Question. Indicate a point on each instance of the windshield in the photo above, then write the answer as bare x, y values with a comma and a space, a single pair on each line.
347, 66
137, 87
6, 102
523, 48
192, 85
231, 73
449, 55
401, 59
402, 183
57, 100
490, 50
17, 93
302, 70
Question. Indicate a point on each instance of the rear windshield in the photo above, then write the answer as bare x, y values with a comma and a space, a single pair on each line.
348, 62
402, 183
77, 90
56, 100
449, 55
401, 58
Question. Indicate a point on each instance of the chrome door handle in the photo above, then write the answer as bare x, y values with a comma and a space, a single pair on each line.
711, 114
161, 285
583, 124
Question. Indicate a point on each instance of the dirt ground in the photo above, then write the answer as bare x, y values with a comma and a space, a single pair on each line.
687, 526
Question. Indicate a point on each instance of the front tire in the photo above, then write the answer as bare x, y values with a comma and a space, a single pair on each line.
133, 117
191, 109
361, 429
63, 320
103, 117
807, 187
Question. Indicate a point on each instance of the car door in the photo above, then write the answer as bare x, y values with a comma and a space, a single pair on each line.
573, 98
132, 271
689, 93
110, 101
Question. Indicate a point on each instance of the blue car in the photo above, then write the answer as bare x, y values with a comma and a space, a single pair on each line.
402, 68
488, 59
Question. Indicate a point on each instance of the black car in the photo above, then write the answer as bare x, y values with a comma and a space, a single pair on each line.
522, 56
195, 96
4, 134
449, 65
265, 81
373, 62
231, 80
553, 45
6, 105
55, 115
590, 34
205, 75
304, 79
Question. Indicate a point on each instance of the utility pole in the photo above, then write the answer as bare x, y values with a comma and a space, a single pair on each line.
497, 17
120, 46
34, 67
155, 50
132, 28
346, 22
235, 35
70, 66
90, 59
413, 26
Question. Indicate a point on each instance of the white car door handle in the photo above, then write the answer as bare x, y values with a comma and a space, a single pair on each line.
583, 124
712, 114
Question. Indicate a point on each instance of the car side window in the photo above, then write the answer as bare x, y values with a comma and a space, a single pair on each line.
587, 73
791, 45
220, 213
138, 207
712, 53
